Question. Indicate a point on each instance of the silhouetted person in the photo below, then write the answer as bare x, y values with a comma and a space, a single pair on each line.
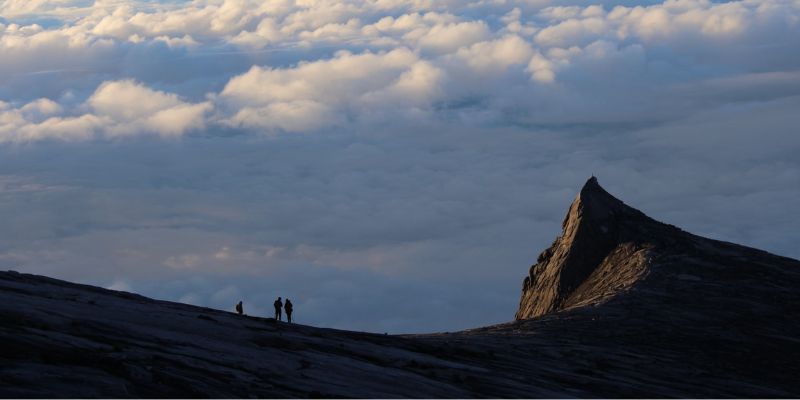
288, 308
239, 308
278, 304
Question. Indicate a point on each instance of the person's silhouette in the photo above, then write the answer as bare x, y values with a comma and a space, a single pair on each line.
288, 308
278, 304
239, 308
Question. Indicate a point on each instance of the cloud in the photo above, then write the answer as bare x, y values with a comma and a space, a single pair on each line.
117, 108
451, 37
137, 108
496, 55
192, 49
394, 165
327, 93
405, 218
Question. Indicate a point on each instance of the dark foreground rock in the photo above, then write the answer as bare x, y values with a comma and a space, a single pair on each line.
624, 306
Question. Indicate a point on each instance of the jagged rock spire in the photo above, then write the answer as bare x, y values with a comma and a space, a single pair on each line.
592, 231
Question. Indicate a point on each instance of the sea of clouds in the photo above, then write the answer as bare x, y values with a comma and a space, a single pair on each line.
389, 165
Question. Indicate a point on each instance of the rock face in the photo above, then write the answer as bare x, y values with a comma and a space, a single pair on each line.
605, 247
620, 306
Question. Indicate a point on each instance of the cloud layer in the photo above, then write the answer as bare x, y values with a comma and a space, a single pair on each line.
393, 164
302, 66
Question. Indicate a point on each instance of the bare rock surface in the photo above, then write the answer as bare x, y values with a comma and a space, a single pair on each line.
620, 306
604, 247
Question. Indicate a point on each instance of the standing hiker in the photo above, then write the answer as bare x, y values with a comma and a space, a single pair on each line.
288, 308
278, 304
239, 308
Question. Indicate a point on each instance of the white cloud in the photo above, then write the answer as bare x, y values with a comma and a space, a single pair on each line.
127, 100
96, 38
496, 55
323, 93
41, 108
396, 59
136, 108
116, 108
542, 70
572, 32
289, 116
451, 37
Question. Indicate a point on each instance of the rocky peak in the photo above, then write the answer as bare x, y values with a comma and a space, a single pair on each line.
598, 228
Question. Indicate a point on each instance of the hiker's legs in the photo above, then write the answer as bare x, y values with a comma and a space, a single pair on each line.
289, 317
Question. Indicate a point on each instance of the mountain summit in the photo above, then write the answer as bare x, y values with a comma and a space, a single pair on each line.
607, 247
602, 249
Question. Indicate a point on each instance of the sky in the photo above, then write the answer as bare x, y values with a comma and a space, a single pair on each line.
389, 165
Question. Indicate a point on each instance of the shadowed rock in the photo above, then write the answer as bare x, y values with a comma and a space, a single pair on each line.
603, 248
